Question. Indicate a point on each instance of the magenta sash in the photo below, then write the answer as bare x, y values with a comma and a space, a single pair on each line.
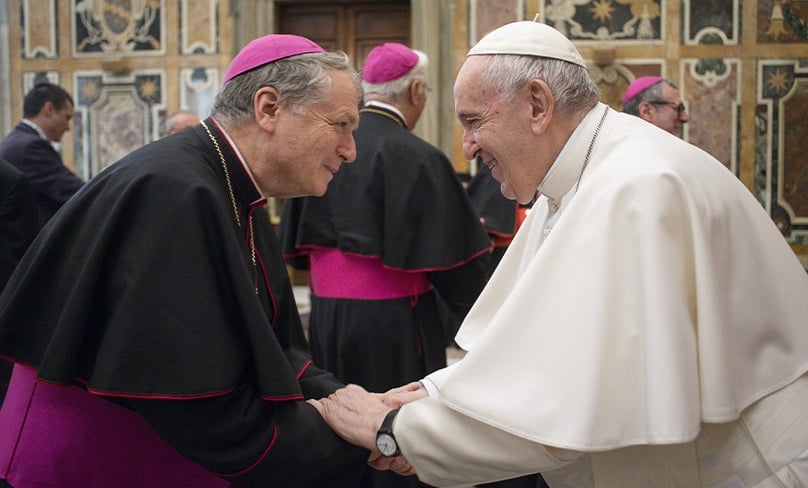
335, 274
57, 435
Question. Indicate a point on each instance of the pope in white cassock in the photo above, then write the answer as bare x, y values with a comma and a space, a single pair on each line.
648, 326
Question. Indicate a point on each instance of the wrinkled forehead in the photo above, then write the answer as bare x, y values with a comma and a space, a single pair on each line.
471, 71
471, 85
472, 92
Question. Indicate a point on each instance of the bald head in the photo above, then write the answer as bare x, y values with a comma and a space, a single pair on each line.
180, 120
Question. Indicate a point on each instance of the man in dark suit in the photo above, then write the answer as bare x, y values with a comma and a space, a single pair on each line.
18, 226
47, 111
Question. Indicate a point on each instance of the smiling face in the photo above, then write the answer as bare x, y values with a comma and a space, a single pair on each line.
309, 147
505, 134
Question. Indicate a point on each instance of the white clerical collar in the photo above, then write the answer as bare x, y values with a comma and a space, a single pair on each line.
243, 163
36, 128
567, 168
386, 106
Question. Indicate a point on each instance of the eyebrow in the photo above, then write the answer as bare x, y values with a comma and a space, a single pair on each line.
467, 115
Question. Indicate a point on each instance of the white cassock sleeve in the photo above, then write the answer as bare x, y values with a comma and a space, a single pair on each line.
450, 449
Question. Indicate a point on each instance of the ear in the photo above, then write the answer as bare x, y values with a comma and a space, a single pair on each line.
414, 92
542, 105
645, 111
47, 108
266, 105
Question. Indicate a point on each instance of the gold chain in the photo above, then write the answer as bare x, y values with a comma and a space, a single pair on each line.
233, 201
226, 172
591, 145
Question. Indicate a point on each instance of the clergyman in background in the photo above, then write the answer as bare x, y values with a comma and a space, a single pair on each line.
390, 245
656, 100
179, 120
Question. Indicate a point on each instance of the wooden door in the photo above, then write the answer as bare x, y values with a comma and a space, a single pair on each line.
353, 27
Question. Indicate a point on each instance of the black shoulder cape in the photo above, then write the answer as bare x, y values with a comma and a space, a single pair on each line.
144, 285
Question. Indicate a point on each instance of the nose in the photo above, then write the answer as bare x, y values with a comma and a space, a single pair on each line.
347, 149
684, 117
470, 146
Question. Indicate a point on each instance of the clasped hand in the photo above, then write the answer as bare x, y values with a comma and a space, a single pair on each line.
356, 415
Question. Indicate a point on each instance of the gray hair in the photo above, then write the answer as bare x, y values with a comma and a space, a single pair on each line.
392, 91
651, 94
573, 89
301, 81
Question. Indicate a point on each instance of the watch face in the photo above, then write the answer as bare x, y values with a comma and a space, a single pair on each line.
386, 444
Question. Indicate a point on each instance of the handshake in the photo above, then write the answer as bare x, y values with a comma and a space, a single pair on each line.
356, 416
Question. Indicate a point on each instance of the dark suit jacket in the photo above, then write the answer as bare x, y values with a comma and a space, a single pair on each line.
52, 182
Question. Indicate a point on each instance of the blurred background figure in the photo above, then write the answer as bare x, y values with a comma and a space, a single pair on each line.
179, 120
47, 112
656, 100
393, 241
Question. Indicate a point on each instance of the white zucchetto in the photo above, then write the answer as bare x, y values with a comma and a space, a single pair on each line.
527, 38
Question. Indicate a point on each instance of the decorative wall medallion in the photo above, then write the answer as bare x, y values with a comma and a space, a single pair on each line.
607, 20
124, 27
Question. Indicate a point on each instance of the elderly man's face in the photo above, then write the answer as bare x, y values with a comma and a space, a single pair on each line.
499, 132
312, 146
668, 113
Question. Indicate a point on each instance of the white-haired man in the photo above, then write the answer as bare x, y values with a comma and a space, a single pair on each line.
646, 327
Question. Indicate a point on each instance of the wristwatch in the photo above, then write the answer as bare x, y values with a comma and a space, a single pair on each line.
385, 440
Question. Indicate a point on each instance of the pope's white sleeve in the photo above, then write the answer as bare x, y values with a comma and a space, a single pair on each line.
433, 381
447, 448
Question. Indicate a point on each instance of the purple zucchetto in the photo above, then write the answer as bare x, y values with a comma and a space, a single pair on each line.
267, 49
639, 85
388, 62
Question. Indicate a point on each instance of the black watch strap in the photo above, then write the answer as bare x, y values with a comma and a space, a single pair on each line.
387, 423
385, 440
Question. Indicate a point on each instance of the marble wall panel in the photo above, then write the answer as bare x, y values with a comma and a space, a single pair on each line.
198, 87
711, 89
39, 29
782, 21
31, 78
116, 115
486, 15
198, 26
711, 22
781, 164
